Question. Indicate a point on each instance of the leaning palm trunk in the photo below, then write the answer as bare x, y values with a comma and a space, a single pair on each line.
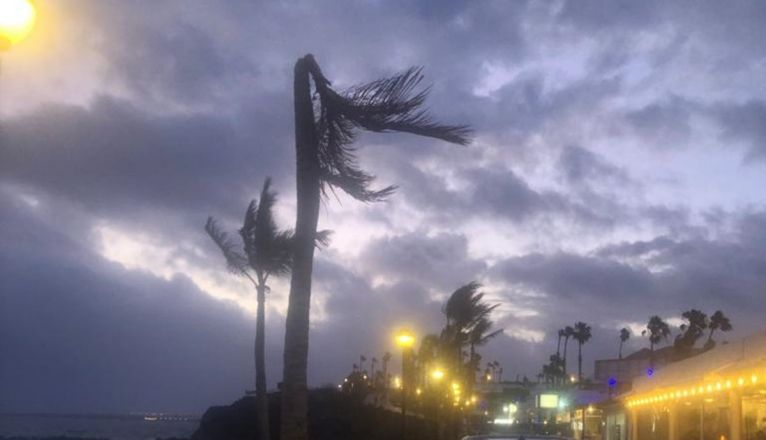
325, 155
294, 390
261, 396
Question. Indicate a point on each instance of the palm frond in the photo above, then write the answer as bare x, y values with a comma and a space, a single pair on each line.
236, 262
322, 238
268, 250
385, 105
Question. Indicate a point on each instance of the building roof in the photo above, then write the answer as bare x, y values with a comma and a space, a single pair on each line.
722, 360
645, 353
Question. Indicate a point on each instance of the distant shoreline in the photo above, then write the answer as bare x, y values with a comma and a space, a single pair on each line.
129, 416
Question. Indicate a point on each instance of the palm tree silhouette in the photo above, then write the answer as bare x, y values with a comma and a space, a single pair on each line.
718, 321
568, 332
624, 336
658, 330
581, 335
691, 331
468, 324
325, 158
562, 333
266, 253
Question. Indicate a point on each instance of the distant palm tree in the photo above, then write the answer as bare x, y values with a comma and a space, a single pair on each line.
267, 251
691, 331
624, 336
562, 333
658, 330
718, 321
386, 360
581, 335
568, 332
325, 159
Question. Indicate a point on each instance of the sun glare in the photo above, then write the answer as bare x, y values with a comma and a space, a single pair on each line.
17, 17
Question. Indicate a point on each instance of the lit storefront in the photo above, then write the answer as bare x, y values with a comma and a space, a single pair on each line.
718, 395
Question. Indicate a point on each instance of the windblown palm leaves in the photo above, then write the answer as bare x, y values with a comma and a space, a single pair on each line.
385, 105
468, 323
267, 251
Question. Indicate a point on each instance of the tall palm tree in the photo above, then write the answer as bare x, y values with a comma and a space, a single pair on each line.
568, 332
581, 335
718, 321
624, 336
325, 157
658, 330
267, 251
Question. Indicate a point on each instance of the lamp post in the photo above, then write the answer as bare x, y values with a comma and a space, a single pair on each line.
437, 375
405, 340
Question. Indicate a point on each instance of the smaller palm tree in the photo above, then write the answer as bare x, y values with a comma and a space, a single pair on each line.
658, 330
624, 336
568, 332
718, 321
691, 331
582, 335
267, 252
562, 334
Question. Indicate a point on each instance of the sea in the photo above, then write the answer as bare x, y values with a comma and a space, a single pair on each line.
112, 427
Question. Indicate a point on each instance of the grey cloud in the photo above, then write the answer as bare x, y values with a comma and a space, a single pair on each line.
580, 165
113, 157
441, 261
79, 334
665, 124
746, 122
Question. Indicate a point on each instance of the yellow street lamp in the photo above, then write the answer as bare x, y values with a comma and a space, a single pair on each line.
405, 340
437, 374
17, 18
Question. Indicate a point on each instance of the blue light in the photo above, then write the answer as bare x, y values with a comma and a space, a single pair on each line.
650, 372
612, 382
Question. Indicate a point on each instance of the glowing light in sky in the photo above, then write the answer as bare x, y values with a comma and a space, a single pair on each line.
17, 17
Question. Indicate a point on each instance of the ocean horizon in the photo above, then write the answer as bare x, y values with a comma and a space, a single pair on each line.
145, 426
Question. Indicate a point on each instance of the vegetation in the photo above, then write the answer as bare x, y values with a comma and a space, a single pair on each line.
266, 252
718, 321
325, 158
624, 336
581, 335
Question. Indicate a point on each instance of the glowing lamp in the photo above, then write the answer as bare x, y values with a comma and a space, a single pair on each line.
17, 18
437, 374
404, 339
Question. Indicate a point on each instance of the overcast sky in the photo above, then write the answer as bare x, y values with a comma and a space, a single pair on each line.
617, 171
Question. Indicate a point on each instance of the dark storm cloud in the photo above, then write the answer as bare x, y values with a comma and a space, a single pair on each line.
180, 62
113, 157
580, 165
747, 123
664, 124
79, 334
660, 276
441, 261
